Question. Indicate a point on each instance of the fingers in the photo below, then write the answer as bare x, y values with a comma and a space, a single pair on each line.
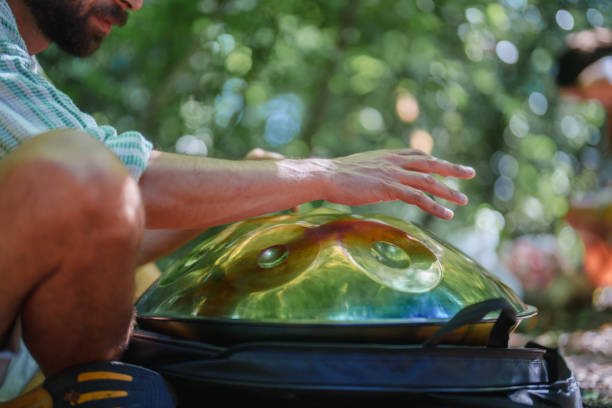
424, 202
418, 180
428, 164
429, 184
405, 174
413, 159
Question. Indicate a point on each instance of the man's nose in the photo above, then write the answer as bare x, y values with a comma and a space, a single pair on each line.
133, 5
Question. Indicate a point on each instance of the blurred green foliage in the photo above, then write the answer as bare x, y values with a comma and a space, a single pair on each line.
325, 78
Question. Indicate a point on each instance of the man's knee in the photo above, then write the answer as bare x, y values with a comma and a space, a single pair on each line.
70, 177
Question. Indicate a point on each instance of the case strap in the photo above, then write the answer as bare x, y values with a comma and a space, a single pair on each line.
472, 314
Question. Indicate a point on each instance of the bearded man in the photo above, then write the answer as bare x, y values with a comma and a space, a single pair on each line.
81, 206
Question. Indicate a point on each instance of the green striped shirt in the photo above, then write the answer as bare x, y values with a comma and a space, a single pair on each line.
31, 105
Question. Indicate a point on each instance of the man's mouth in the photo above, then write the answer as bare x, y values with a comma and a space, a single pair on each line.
105, 19
103, 24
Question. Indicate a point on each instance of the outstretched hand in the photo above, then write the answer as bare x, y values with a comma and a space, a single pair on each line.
389, 175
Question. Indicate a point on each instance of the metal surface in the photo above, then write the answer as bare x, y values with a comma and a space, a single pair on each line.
322, 274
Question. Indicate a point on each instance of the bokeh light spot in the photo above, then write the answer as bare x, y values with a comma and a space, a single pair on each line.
594, 17
474, 15
519, 126
564, 19
489, 220
422, 140
504, 188
407, 107
371, 119
571, 127
508, 166
560, 182
283, 119
532, 208
507, 52
240, 61
227, 43
189, 144
538, 103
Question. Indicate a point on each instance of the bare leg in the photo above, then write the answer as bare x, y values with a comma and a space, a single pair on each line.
72, 221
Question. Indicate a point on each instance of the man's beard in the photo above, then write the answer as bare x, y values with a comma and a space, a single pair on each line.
64, 23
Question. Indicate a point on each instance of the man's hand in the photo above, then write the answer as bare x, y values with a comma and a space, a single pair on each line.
389, 175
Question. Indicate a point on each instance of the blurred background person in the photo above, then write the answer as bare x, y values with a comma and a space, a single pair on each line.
585, 74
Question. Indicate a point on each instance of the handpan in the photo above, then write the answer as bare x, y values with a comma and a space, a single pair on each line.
323, 275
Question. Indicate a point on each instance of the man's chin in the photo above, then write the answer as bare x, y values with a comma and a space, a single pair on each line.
82, 49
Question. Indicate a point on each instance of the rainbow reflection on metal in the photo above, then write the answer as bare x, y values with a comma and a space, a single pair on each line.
323, 267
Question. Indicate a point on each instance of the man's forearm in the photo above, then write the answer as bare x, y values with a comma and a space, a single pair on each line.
188, 192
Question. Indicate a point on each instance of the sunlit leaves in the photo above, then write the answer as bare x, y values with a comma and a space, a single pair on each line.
470, 82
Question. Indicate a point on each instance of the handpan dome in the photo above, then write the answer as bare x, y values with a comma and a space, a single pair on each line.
323, 275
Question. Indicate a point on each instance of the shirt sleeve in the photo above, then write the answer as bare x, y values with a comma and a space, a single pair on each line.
31, 105
131, 147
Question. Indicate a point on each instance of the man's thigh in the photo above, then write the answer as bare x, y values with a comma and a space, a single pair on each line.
39, 181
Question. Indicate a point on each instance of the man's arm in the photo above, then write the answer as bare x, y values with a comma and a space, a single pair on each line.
186, 192
157, 243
